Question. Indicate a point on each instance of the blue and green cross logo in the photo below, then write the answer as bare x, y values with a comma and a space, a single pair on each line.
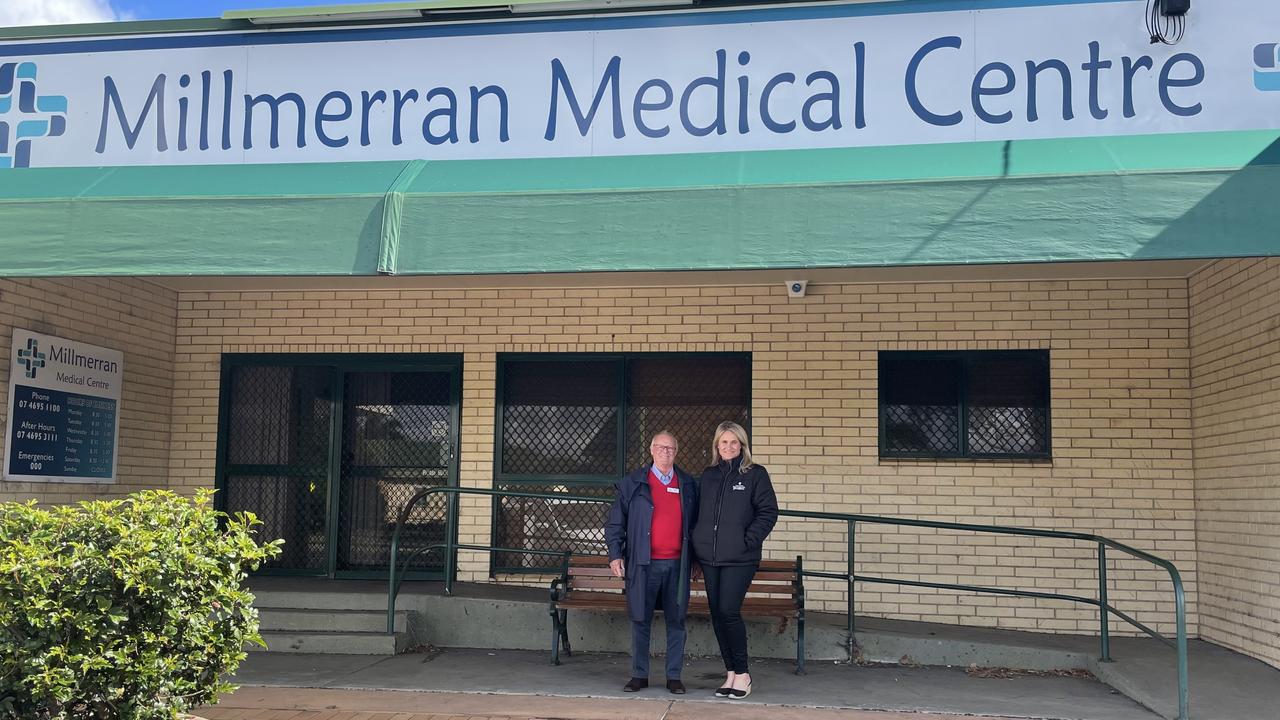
1266, 67
31, 358
24, 115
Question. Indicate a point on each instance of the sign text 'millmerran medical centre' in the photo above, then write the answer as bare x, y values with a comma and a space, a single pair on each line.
782, 81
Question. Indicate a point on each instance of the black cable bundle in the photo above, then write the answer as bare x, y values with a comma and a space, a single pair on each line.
1164, 28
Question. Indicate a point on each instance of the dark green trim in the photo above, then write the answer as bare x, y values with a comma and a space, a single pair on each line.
623, 401
559, 479
455, 474
224, 428
333, 500
350, 361
963, 357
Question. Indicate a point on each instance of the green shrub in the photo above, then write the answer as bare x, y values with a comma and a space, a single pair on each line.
128, 609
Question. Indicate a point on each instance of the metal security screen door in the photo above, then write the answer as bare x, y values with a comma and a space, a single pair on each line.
397, 439
326, 455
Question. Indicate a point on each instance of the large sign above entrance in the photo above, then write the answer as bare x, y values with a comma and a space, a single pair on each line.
832, 75
64, 401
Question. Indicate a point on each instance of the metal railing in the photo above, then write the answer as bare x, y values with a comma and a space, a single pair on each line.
1105, 609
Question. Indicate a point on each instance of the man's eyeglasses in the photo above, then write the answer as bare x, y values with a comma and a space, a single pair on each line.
663, 448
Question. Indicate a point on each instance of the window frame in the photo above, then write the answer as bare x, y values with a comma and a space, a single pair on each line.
593, 482
965, 357
620, 362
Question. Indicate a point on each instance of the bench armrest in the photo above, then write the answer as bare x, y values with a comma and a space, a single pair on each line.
560, 586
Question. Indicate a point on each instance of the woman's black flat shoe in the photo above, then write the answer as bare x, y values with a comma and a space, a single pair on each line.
724, 691
739, 694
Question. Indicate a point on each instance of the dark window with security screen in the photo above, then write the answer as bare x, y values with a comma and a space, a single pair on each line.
964, 404
576, 423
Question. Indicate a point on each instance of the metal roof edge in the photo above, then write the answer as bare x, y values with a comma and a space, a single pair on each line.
433, 11
132, 27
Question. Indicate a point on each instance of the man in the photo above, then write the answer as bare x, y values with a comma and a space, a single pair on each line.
648, 537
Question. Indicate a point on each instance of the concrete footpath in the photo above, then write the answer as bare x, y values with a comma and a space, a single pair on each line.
260, 703
483, 682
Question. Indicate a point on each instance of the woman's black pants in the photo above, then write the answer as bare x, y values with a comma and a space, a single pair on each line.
726, 588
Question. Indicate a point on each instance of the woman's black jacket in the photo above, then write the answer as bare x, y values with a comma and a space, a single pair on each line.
736, 512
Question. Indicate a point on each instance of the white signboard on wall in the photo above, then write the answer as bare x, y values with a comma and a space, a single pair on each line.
820, 76
64, 404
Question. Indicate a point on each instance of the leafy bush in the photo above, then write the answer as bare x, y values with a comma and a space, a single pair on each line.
129, 609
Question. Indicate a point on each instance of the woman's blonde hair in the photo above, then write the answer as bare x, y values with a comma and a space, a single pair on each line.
738, 432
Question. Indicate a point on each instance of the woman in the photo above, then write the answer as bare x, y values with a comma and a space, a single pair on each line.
738, 508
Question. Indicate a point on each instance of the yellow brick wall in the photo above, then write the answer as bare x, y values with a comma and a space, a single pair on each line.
1122, 462
134, 316
1235, 385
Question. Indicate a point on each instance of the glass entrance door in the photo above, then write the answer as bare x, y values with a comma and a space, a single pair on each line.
326, 451
397, 440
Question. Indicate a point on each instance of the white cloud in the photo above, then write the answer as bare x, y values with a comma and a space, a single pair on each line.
55, 12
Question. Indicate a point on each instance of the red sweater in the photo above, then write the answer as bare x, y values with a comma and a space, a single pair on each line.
668, 517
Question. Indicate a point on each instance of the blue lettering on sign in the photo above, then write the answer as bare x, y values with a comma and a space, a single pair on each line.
996, 79
720, 99
608, 82
913, 96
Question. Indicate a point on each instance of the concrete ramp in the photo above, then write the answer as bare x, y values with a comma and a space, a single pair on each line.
1224, 685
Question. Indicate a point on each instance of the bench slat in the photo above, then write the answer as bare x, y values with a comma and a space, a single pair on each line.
698, 587
609, 583
601, 560
588, 584
603, 571
697, 606
775, 575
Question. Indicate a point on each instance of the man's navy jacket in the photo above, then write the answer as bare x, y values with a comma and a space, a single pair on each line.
627, 533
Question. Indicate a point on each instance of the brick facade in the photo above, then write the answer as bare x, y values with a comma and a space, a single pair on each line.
1121, 414
1121, 405
1235, 386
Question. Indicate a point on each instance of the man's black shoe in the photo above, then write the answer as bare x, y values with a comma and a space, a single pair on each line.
676, 687
635, 685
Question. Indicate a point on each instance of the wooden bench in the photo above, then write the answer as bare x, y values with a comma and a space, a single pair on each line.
586, 583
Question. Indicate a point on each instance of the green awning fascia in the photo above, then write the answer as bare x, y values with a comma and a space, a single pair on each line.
393, 215
1175, 196
1152, 216
898, 163
1144, 197
296, 219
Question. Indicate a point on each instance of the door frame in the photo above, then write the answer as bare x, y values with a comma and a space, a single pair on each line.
339, 364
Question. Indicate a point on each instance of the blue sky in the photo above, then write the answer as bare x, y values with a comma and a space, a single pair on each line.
50, 12
155, 9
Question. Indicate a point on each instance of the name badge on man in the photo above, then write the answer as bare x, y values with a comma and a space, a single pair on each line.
675, 490
739, 486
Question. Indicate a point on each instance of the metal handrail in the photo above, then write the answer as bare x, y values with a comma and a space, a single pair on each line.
450, 545
1105, 609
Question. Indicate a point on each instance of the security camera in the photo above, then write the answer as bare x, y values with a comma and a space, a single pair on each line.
795, 288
